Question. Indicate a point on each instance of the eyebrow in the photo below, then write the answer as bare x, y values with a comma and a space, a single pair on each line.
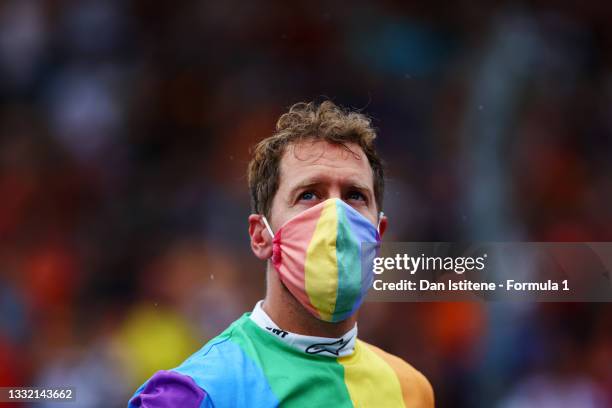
313, 182
305, 184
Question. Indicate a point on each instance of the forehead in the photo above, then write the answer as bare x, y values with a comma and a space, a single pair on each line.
321, 159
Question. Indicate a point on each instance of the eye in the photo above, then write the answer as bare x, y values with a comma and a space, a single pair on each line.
356, 195
308, 195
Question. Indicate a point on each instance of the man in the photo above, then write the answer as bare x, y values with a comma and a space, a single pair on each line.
316, 188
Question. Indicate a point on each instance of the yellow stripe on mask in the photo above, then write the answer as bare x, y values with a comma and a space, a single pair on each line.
321, 266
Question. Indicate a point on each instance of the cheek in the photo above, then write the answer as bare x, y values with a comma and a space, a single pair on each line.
280, 218
276, 211
281, 212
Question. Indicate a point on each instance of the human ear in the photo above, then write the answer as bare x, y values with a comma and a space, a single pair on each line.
261, 240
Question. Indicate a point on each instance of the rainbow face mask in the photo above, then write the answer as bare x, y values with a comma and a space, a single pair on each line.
318, 256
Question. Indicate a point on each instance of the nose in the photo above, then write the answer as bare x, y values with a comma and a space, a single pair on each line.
335, 192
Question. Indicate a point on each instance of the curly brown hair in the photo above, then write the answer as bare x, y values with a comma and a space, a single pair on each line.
326, 122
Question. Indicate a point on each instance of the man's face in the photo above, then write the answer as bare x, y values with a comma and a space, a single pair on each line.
314, 171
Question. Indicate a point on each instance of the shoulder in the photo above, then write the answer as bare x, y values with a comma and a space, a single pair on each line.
415, 386
169, 389
188, 384
191, 383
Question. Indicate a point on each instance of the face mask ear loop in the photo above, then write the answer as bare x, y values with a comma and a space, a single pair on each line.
380, 215
265, 221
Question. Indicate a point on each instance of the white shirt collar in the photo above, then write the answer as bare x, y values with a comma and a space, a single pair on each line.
324, 346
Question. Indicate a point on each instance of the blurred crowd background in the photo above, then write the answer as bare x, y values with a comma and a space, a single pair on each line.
125, 129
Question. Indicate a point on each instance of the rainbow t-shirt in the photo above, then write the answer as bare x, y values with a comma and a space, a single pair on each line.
247, 366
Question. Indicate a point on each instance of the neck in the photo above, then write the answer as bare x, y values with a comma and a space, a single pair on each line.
290, 315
